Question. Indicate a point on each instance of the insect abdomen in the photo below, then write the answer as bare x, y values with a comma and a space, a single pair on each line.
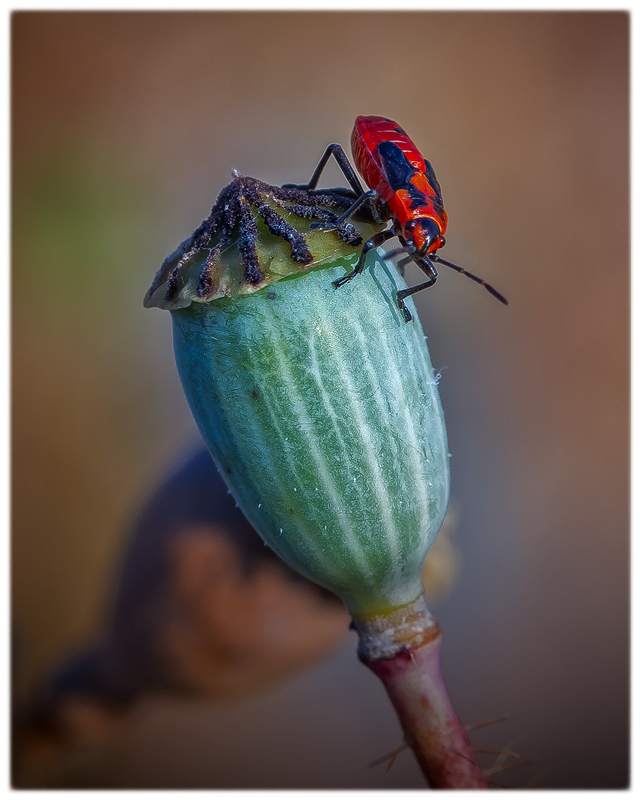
368, 134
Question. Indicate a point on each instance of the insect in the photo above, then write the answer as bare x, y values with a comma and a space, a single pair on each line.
403, 188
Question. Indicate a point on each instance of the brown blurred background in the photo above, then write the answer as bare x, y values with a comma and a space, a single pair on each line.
125, 127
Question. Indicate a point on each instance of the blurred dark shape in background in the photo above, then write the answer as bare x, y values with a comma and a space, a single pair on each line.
125, 126
191, 539
202, 606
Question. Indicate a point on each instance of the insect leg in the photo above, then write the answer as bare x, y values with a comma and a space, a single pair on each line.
329, 226
343, 162
473, 277
400, 297
432, 273
375, 241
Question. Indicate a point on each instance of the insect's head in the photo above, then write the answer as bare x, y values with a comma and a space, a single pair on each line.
423, 236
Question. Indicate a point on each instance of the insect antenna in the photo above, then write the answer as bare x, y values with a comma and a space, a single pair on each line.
473, 277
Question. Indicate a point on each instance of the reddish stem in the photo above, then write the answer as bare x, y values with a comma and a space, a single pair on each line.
403, 650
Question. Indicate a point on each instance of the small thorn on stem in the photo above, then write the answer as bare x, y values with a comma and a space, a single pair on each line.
395, 755
496, 752
390, 757
535, 780
502, 757
462, 755
486, 724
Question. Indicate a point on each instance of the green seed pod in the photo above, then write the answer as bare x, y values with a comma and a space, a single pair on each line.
322, 412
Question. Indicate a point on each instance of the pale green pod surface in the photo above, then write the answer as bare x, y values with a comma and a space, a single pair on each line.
322, 412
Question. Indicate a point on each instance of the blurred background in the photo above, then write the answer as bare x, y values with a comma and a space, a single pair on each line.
125, 128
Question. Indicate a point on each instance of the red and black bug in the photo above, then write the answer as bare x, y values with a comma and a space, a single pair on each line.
403, 188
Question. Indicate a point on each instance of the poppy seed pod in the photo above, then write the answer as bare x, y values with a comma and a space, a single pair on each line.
319, 405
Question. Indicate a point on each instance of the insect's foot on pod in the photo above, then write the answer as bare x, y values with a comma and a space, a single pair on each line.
404, 309
341, 281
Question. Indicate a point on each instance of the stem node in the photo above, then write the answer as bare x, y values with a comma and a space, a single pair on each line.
403, 649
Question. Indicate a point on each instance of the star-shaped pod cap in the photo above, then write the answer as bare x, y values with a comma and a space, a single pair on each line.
256, 234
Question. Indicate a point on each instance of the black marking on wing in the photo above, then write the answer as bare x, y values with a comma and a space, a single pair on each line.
431, 175
417, 196
395, 165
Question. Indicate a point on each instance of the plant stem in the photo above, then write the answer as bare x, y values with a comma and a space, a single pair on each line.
403, 649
